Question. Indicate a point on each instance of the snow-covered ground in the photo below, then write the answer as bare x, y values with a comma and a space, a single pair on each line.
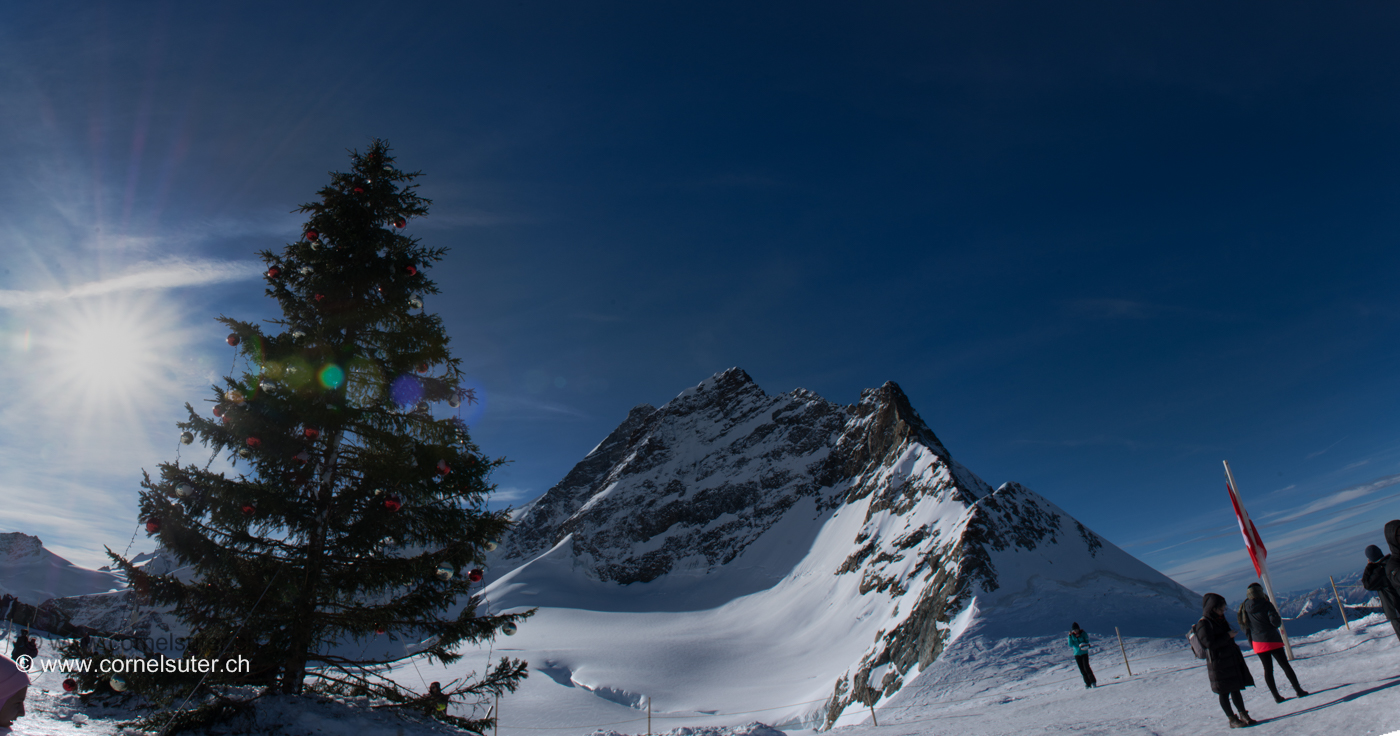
981, 687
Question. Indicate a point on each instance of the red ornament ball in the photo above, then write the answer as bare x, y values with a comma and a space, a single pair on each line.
254, 442
319, 297
273, 272
443, 467
249, 509
311, 433
70, 685
312, 235
218, 410
380, 630
233, 338
393, 503
475, 575
152, 525
358, 190
422, 367
411, 269
400, 223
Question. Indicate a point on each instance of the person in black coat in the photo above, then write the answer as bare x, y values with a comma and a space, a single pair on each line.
1392, 565
24, 646
1224, 661
1260, 622
1373, 578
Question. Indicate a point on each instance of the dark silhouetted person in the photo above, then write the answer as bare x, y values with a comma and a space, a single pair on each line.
1374, 578
1260, 621
1229, 674
24, 645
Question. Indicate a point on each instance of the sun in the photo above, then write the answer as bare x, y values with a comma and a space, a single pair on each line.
105, 352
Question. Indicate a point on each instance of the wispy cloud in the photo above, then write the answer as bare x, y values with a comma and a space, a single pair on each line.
1312, 455
143, 277
1356, 464
1328, 522
512, 495
519, 406
1346, 495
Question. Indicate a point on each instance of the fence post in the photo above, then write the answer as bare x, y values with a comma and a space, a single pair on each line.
1124, 650
1338, 598
648, 715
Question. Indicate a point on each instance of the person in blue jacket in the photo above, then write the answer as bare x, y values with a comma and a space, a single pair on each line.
1079, 644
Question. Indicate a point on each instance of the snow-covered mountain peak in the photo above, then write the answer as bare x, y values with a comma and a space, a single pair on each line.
729, 504
15, 546
35, 576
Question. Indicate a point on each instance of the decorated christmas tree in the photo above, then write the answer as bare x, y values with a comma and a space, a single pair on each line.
353, 515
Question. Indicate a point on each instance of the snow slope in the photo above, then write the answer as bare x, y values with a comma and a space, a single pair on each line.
980, 687
787, 550
33, 574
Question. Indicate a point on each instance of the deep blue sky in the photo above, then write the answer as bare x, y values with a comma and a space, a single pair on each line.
1102, 247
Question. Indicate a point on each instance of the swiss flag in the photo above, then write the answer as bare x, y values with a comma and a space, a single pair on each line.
1252, 542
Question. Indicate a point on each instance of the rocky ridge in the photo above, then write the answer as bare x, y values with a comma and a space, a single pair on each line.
690, 488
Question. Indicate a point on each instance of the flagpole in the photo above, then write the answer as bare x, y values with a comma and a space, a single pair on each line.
1263, 567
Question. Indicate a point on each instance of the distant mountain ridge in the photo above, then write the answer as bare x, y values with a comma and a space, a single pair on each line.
726, 492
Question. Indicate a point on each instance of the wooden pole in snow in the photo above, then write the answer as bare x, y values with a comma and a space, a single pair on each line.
648, 715
872, 716
1122, 649
1338, 598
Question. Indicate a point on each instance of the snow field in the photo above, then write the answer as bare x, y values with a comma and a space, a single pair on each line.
981, 687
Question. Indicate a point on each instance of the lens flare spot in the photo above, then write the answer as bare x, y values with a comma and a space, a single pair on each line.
296, 373
332, 376
406, 389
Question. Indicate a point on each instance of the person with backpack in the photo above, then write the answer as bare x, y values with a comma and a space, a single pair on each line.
24, 646
1373, 578
1079, 644
1229, 675
1260, 622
